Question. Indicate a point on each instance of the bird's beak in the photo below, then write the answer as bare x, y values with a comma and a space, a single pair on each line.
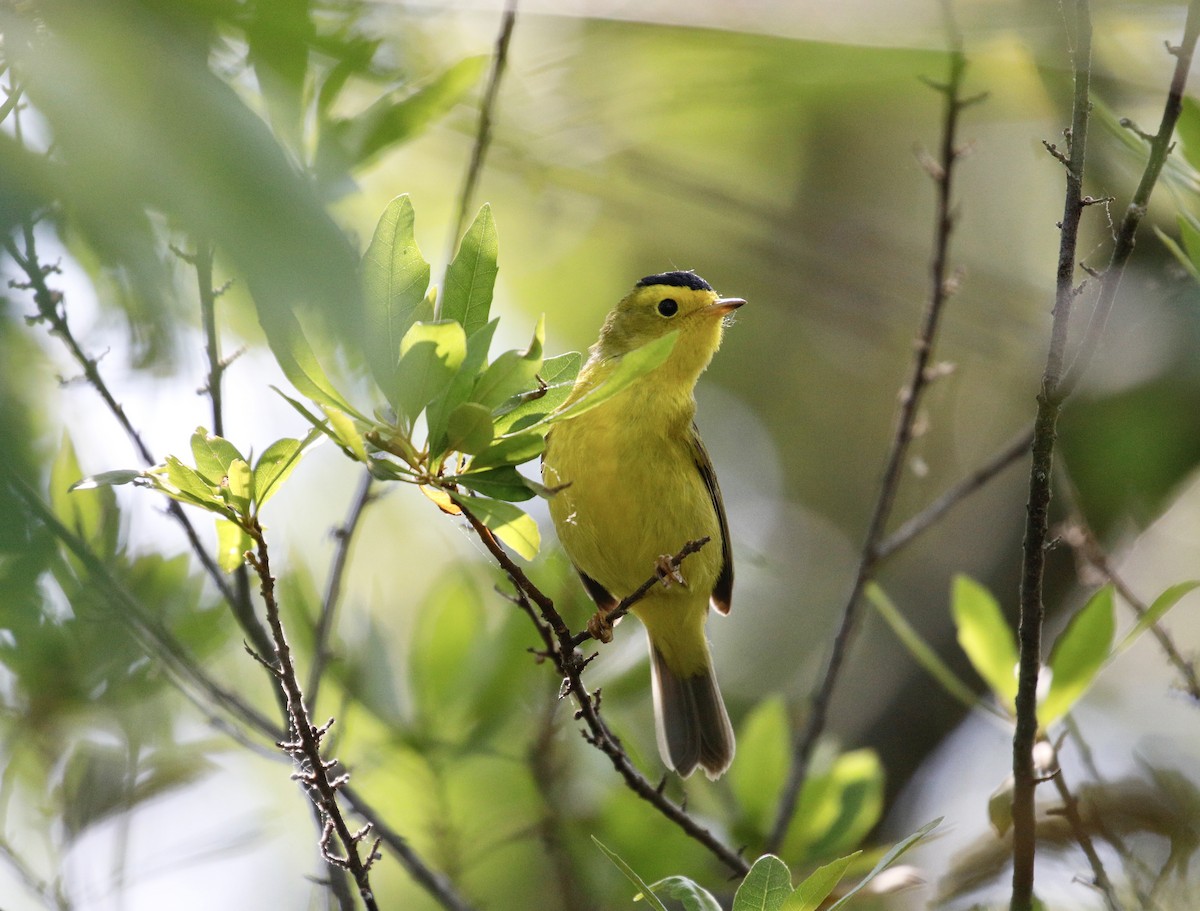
725, 305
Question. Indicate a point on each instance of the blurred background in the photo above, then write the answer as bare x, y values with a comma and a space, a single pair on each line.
774, 148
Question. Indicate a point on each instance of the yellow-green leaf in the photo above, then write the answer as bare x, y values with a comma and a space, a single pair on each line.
509, 523
232, 544
1077, 656
986, 637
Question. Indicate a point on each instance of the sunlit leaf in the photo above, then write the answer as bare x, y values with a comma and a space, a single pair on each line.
471, 277
296, 359
511, 524
512, 372
887, 860
113, 478
232, 544
430, 355
986, 637
818, 885
558, 373
632, 367
240, 485
688, 893
763, 761
1078, 654
87, 507
1156, 612
765, 887
344, 431
395, 278
459, 390
192, 488
213, 455
837, 807
642, 889
1188, 130
276, 463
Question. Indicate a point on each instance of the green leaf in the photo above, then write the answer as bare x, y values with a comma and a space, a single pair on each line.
213, 455
232, 544
1000, 807
925, 656
1156, 612
1188, 130
91, 513
644, 891
766, 886
114, 478
396, 118
558, 373
430, 355
512, 372
395, 278
345, 433
1187, 258
513, 450
296, 359
887, 860
471, 277
504, 483
1189, 232
1078, 654
183, 483
691, 895
632, 367
469, 428
240, 485
276, 463
438, 415
757, 777
510, 524
837, 807
819, 885
448, 629
986, 638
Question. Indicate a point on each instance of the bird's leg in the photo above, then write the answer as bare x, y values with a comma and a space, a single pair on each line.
668, 572
600, 627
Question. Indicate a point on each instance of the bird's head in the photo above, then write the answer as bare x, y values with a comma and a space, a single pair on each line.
669, 302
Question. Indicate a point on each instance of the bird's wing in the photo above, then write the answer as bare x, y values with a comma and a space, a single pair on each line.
597, 592
722, 593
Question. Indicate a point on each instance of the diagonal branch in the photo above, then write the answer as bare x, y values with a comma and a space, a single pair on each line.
561, 650
910, 399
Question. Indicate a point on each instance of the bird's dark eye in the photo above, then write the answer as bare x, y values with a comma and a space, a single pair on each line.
668, 307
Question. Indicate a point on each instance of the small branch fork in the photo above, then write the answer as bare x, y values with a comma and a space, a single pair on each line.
875, 546
561, 649
304, 743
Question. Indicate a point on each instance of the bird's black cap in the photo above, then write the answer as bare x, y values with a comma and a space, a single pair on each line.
676, 280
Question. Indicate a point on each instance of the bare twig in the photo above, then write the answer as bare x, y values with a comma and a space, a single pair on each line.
333, 588
304, 743
1056, 386
1070, 812
1049, 400
910, 398
930, 515
483, 135
561, 650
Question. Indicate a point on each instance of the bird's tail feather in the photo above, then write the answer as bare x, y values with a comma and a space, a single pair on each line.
693, 726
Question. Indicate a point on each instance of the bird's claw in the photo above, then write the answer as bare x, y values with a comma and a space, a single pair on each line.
668, 572
600, 628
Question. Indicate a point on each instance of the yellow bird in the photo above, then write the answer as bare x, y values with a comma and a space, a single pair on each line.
637, 485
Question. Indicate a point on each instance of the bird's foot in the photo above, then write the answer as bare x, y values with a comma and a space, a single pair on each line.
600, 627
668, 572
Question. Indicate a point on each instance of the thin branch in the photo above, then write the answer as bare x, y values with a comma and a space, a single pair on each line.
202, 262
333, 589
483, 134
1082, 539
50, 310
314, 772
561, 650
1070, 812
930, 515
1029, 631
910, 399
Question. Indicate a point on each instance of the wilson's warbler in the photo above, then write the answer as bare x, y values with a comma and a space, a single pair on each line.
636, 486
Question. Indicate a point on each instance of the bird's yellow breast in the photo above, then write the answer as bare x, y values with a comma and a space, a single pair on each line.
634, 493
